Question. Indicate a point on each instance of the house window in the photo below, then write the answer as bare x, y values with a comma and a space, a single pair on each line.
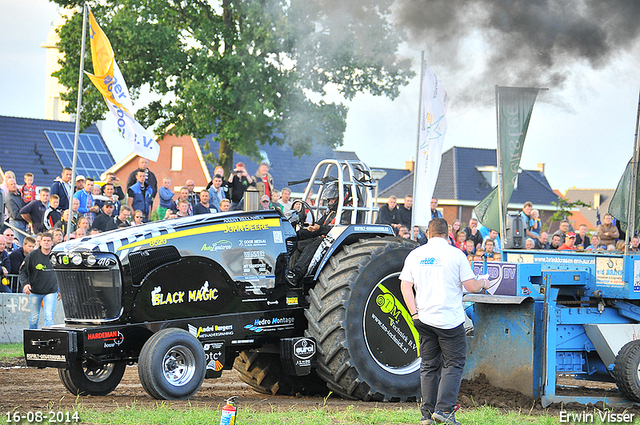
176, 158
490, 174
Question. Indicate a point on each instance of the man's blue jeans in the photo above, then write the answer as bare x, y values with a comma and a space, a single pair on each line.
35, 301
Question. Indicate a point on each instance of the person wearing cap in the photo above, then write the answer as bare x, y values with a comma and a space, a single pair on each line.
102, 219
569, 242
239, 182
265, 202
79, 183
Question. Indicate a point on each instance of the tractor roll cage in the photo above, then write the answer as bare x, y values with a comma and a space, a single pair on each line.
350, 175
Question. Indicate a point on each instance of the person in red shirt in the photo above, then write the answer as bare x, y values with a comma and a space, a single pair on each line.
28, 189
569, 242
461, 239
264, 180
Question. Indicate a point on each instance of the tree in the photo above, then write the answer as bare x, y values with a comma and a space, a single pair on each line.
564, 211
250, 71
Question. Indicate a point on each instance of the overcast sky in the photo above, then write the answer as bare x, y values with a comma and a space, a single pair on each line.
581, 129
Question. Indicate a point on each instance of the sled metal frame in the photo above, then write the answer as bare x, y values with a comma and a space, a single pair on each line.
585, 307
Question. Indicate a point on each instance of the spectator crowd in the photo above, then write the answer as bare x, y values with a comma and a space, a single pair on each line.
479, 242
38, 219
86, 206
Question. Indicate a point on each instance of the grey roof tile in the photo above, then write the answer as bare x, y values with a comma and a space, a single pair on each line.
459, 179
285, 167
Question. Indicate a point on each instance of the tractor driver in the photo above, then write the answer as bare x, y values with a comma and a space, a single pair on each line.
311, 237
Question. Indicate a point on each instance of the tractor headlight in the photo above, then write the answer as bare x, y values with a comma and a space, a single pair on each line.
90, 260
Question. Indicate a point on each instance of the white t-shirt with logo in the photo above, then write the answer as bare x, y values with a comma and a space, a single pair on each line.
437, 271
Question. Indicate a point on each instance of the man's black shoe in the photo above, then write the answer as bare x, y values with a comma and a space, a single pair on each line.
448, 418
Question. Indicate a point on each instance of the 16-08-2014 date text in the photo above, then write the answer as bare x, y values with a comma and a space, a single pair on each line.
37, 417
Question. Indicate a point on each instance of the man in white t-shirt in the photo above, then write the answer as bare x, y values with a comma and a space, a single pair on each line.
285, 200
438, 271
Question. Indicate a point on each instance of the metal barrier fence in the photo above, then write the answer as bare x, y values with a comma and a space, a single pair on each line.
14, 285
14, 316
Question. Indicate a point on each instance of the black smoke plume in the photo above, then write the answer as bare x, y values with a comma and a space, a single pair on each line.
535, 43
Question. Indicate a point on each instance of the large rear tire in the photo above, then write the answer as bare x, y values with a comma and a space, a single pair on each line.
627, 370
263, 372
172, 365
89, 378
367, 344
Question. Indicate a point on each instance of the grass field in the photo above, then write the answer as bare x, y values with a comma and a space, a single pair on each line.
8, 351
328, 413
162, 414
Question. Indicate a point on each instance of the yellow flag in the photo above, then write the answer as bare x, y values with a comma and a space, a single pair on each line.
103, 63
101, 51
109, 81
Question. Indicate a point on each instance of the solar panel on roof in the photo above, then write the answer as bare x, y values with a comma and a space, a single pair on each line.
93, 156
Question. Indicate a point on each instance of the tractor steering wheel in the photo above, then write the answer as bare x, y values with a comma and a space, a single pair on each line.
305, 206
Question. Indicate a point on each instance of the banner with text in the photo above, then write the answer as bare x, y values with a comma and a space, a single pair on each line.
515, 106
109, 81
433, 126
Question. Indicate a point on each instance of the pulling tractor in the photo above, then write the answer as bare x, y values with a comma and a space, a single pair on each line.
188, 298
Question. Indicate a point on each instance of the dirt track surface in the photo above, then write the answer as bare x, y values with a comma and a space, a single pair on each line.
28, 389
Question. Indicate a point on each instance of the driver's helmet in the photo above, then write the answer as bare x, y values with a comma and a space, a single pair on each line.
331, 193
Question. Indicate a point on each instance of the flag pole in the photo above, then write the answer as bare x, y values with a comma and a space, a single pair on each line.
503, 241
631, 215
78, 107
415, 161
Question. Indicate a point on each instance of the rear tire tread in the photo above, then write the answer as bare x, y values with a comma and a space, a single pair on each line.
327, 317
263, 372
626, 372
